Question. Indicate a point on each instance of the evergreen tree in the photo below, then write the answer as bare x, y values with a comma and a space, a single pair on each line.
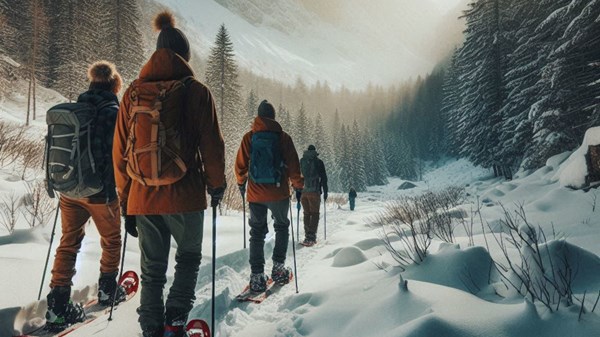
357, 174
121, 38
222, 75
569, 87
302, 129
252, 104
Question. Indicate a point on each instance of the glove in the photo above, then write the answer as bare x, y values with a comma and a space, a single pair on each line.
131, 226
216, 195
242, 188
298, 195
130, 223
325, 196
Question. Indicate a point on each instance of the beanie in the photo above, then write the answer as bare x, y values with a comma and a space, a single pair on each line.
169, 36
311, 148
266, 109
103, 75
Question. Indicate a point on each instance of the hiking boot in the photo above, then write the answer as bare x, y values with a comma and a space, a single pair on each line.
175, 322
308, 242
258, 282
280, 274
152, 332
107, 285
61, 311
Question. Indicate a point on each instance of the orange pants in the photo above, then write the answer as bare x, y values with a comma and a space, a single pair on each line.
74, 214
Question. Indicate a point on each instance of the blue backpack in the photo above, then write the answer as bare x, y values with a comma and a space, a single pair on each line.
266, 162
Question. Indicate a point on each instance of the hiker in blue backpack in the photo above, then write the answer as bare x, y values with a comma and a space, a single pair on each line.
267, 161
352, 198
315, 183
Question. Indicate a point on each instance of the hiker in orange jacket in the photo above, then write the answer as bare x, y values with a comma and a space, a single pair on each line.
175, 209
268, 196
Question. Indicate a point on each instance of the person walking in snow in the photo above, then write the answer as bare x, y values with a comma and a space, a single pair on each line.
266, 161
102, 207
168, 152
352, 198
315, 183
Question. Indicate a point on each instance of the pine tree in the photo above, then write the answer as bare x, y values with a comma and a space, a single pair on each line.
302, 129
563, 110
358, 176
252, 104
222, 75
121, 37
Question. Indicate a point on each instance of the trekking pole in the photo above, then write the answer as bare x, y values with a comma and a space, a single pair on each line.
325, 218
244, 202
294, 245
298, 206
49, 249
112, 306
214, 269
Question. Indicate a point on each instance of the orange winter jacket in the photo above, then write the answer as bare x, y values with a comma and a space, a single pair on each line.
269, 192
200, 127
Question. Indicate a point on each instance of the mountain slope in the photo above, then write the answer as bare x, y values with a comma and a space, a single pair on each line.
358, 42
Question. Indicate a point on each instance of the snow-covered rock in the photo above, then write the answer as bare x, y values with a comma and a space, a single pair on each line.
574, 171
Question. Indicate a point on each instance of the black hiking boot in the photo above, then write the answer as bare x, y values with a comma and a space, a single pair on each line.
152, 332
107, 285
176, 318
258, 282
280, 274
62, 312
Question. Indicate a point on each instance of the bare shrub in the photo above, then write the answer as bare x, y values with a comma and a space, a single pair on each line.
338, 199
408, 238
38, 206
415, 221
535, 273
31, 155
8, 212
10, 143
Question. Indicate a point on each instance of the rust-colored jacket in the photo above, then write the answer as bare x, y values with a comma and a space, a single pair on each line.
200, 125
269, 192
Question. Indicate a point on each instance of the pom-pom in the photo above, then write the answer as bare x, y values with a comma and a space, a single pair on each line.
164, 19
101, 71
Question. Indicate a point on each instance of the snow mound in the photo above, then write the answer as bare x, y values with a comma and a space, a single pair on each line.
465, 269
349, 256
574, 171
585, 265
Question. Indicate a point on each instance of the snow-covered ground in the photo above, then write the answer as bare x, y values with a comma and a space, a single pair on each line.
348, 285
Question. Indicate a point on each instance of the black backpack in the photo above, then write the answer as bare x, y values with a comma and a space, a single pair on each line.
308, 166
266, 162
71, 164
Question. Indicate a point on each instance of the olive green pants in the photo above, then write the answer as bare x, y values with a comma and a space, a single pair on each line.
155, 232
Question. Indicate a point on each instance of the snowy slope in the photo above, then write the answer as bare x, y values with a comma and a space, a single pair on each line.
378, 42
342, 289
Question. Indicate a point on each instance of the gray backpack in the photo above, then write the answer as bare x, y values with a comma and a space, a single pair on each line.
71, 165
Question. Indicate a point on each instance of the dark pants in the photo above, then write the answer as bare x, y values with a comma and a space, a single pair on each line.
155, 233
311, 203
74, 214
352, 203
259, 230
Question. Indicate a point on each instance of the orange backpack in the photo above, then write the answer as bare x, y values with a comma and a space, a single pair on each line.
154, 150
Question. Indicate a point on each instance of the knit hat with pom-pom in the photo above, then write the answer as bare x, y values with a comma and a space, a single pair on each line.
103, 75
171, 37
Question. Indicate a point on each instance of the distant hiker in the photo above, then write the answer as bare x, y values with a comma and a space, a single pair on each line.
83, 176
168, 152
315, 182
352, 198
268, 157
